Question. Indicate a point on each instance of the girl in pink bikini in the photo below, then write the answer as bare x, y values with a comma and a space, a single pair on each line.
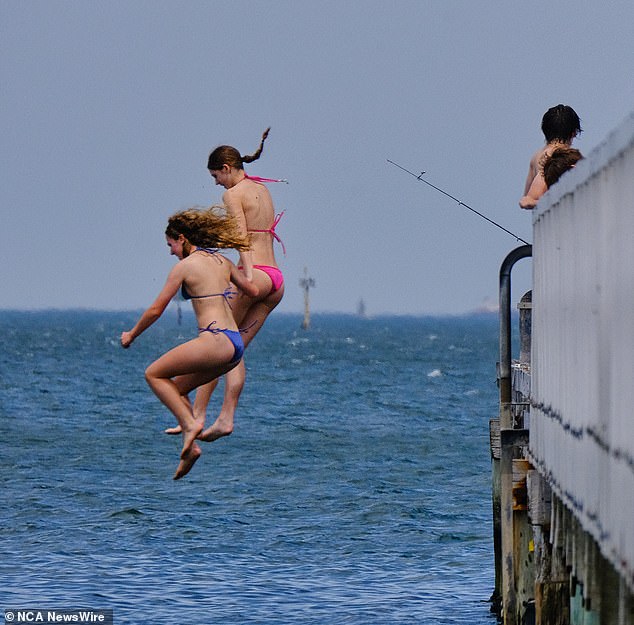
249, 202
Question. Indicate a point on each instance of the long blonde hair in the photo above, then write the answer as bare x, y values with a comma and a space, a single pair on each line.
207, 227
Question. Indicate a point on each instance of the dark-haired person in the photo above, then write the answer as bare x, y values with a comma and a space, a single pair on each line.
560, 125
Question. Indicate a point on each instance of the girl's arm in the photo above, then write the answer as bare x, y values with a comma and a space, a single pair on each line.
536, 190
533, 169
532, 172
243, 283
234, 208
172, 284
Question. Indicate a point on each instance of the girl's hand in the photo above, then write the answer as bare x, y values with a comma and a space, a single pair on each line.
126, 339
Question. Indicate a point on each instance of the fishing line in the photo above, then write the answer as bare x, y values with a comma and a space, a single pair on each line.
460, 203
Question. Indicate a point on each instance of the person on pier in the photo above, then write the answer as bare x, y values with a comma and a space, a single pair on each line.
560, 125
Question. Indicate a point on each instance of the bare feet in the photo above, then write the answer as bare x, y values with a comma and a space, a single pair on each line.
221, 427
189, 436
178, 430
187, 461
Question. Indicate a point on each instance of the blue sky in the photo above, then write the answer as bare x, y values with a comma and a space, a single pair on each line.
109, 111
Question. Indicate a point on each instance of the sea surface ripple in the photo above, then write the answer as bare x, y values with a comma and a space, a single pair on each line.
355, 488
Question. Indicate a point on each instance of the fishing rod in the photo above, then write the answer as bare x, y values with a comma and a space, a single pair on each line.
460, 203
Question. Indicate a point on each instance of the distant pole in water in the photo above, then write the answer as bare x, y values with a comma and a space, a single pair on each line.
179, 312
306, 283
361, 309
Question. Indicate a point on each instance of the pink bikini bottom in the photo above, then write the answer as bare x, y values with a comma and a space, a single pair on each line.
272, 272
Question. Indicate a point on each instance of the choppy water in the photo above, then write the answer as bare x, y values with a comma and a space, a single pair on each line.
355, 488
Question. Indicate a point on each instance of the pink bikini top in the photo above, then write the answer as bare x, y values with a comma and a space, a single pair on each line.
272, 232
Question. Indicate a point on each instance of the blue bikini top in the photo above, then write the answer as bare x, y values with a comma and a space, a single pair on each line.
228, 293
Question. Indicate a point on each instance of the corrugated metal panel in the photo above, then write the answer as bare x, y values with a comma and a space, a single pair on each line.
582, 418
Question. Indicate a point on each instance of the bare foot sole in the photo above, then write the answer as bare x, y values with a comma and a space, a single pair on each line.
216, 431
187, 462
189, 437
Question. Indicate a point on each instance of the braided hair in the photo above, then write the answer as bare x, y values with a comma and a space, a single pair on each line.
228, 155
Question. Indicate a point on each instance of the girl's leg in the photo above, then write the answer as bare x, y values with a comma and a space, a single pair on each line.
223, 425
257, 313
253, 320
203, 395
241, 306
199, 408
201, 399
186, 366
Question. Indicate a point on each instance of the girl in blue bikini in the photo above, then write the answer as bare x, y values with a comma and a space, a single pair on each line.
204, 276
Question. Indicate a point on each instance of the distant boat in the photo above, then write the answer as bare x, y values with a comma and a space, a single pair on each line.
361, 309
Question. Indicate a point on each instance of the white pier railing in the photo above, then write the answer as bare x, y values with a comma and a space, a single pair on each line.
582, 395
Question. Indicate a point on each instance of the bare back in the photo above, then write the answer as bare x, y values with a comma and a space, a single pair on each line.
206, 278
251, 203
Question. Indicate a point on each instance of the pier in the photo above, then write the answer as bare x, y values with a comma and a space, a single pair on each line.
562, 446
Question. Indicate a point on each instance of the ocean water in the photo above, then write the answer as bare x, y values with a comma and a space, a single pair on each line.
355, 488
